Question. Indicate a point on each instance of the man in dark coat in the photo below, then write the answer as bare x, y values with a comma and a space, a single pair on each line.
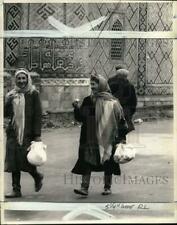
23, 108
122, 89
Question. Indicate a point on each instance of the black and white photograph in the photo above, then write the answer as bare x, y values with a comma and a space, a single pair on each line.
88, 105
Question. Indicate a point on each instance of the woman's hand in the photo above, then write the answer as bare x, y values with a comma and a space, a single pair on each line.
37, 139
106, 157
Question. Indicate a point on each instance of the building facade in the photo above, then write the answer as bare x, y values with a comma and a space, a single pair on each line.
63, 65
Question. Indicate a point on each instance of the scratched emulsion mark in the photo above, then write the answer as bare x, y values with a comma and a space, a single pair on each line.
85, 31
79, 30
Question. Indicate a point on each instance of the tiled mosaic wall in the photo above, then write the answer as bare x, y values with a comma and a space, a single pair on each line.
149, 61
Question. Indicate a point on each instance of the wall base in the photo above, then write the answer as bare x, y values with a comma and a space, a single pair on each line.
148, 113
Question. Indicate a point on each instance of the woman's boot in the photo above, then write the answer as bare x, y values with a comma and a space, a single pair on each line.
84, 185
16, 191
38, 178
107, 184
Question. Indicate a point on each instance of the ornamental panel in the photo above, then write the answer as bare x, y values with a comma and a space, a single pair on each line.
13, 14
159, 66
160, 16
64, 58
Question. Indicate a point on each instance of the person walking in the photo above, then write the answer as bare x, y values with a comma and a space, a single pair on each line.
23, 108
100, 115
124, 91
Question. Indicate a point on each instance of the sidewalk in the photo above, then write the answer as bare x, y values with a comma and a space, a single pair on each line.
148, 178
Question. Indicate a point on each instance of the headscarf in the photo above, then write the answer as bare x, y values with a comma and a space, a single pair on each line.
18, 104
29, 87
108, 113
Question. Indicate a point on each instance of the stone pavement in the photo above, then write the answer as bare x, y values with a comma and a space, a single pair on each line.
147, 179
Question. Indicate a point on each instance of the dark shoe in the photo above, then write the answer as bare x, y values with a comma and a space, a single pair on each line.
81, 191
14, 194
107, 191
38, 183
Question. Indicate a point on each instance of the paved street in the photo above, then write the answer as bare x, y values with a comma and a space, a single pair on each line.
148, 178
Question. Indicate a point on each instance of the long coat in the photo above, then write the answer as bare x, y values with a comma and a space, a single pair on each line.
122, 89
89, 157
16, 155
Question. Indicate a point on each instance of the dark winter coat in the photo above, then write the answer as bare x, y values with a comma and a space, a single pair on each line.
15, 159
89, 157
122, 89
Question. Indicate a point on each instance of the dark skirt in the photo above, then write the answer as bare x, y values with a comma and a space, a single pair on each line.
110, 167
84, 165
16, 155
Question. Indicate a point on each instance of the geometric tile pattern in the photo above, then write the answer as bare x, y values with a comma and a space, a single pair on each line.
159, 66
141, 82
159, 74
12, 22
45, 11
105, 54
99, 58
131, 18
101, 62
131, 59
39, 12
160, 90
41, 54
76, 14
80, 13
13, 14
149, 61
160, 16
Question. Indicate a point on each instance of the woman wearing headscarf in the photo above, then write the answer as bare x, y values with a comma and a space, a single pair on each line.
101, 116
23, 108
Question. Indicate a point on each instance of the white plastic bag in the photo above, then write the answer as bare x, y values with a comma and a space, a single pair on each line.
124, 153
37, 153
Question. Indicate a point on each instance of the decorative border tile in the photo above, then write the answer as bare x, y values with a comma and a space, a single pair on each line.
65, 82
141, 80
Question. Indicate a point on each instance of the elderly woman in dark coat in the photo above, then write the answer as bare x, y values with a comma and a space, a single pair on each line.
124, 91
101, 116
23, 108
